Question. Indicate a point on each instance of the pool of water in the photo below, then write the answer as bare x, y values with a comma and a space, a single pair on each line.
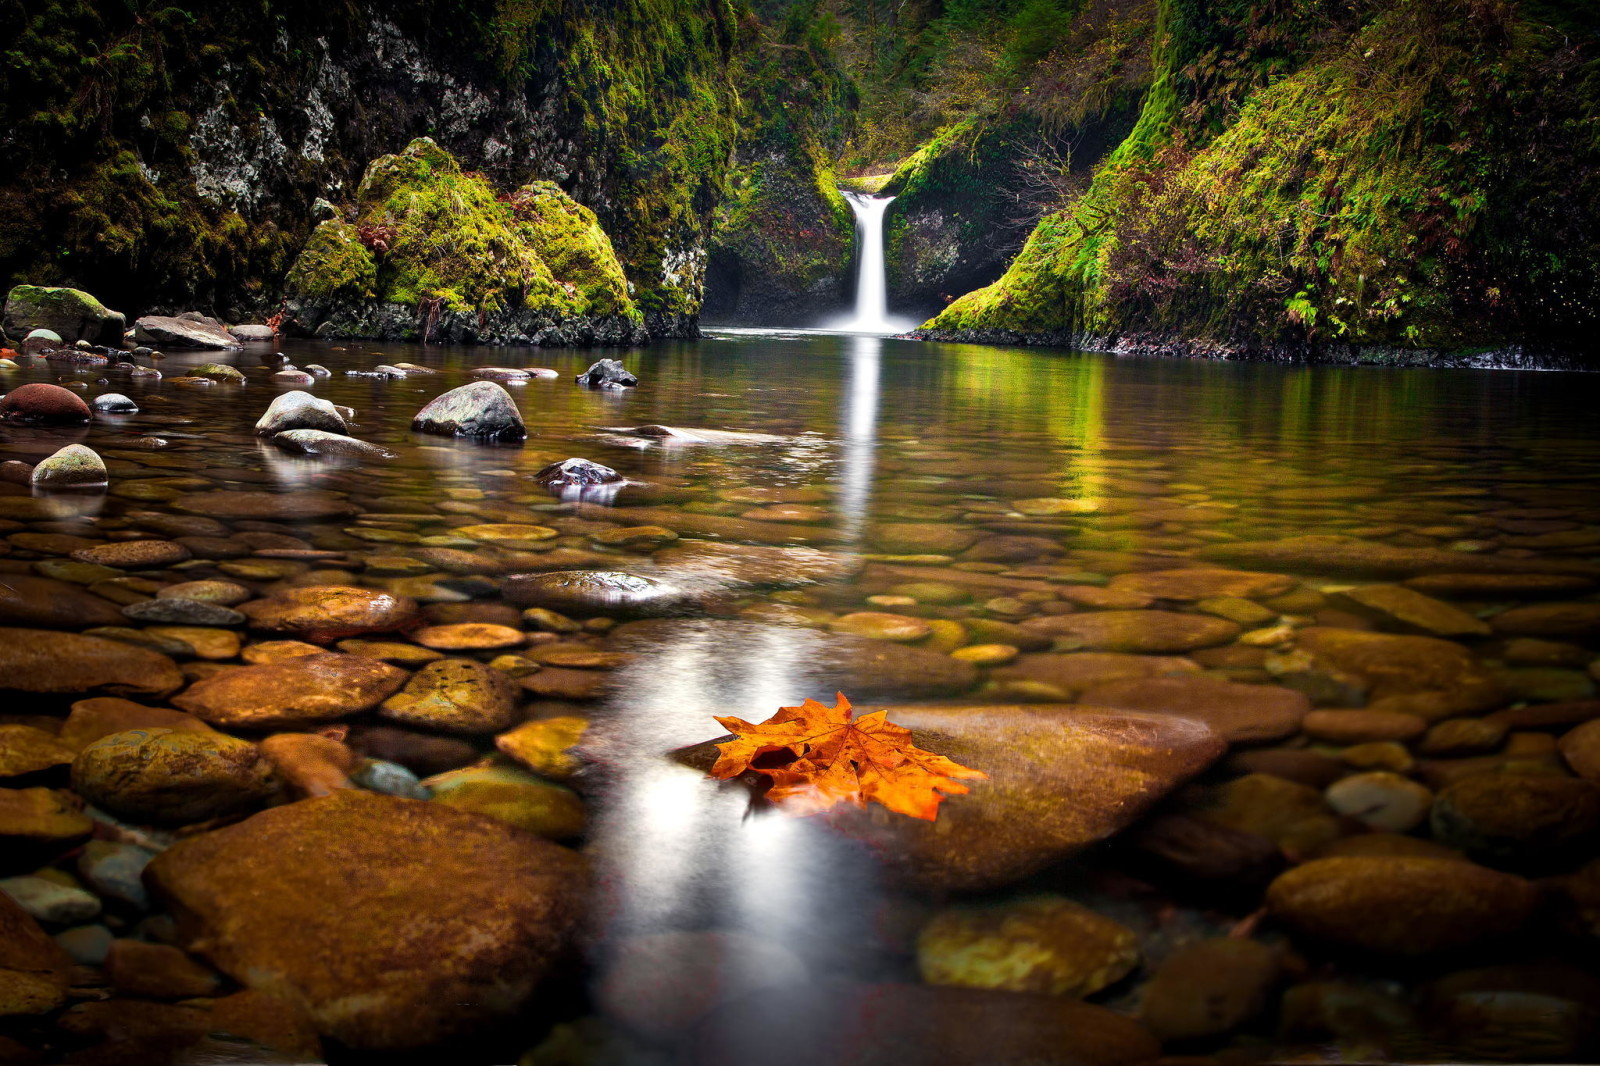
1035, 505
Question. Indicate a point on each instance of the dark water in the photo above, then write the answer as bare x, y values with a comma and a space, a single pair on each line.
1117, 463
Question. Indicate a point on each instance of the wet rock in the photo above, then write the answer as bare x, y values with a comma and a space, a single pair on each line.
1207, 988
162, 331
34, 972
1384, 845
880, 625
135, 554
100, 717
1199, 583
1541, 1012
293, 692
633, 538
48, 900
1462, 736
71, 314
513, 796
1581, 749
181, 612
713, 564
1237, 712
113, 403
253, 334
1381, 800
1042, 944
422, 753
890, 1025
1363, 727
1293, 816
219, 372
455, 696
911, 538
158, 971
575, 474
595, 592
1495, 586
40, 601
38, 660
1067, 675
1059, 780
390, 779
210, 590
1424, 676
1579, 621
512, 535
318, 442
1138, 632
1200, 858
1518, 819
172, 777
43, 404
453, 924
606, 373
41, 816
1333, 554
469, 636
547, 746
1292, 764
25, 750
1409, 611
85, 944
40, 341
481, 410
326, 613
1400, 906
116, 871
307, 506
72, 467
300, 410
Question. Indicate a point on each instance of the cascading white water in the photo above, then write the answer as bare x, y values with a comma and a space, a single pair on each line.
872, 302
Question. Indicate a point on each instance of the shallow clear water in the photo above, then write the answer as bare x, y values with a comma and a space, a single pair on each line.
1166, 458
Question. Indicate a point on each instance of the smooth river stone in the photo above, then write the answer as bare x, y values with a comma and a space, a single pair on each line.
753, 565
1406, 609
326, 613
1138, 632
306, 506
451, 925
26, 750
43, 816
1201, 583
455, 696
1424, 676
1332, 554
482, 410
39, 660
915, 538
1495, 586
1071, 673
1579, 621
469, 636
1239, 713
172, 777
134, 554
100, 717
1400, 905
292, 692
1060, 779
596, 592
35, 972
40, 601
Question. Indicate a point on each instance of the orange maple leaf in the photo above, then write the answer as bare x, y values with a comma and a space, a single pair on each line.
818, 757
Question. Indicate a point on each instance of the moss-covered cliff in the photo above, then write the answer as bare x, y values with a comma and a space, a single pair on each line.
165, 157
1414, 175
430, 252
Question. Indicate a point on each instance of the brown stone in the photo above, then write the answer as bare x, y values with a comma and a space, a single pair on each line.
723, 565
1410, 611
1425, 676
45, 603
1400, 906
34, 972
1237, 712
1138, 632
1209, 987
1072, 673
455, 696
1574, 620
172, 777
1039, 944
26, 750
95, 718
311, 764
1334, 554
39, 660
134, 554
1495, 586
1291, 815
326, 613
136, 968
1581, 749
271, 506
41, 815
1300, 765
421, 753
452, 923
469, 636
297, 691
1060, 779
1360, 727
1199, 583
547, 746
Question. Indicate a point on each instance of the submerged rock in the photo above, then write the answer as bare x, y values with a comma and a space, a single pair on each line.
318, 442
453, 923
172, 777
1138, 632
43, 404
114, 403
575, 474
482, 410
455, 696
300, 410
1041, 944
606, 373
35, 972
326, 613
37, 660
26, 600
306, 689
596, 592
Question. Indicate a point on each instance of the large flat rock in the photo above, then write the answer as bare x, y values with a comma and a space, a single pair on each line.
39, 660
397, 923
1060, 779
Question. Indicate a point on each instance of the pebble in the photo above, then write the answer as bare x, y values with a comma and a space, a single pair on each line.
172, 610
172, 777
116, 871
1044, 944
390, 779
512, 796
86, 944
1138, 632
27, 750
48, 900
292, 692
547, 746
468, 636
1381, 800
455, 696
879, 625
1206, 988
1359, 727
325, 613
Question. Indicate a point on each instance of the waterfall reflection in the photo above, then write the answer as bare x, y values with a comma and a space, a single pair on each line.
859, 452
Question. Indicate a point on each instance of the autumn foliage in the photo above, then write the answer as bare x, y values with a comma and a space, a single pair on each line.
818, 757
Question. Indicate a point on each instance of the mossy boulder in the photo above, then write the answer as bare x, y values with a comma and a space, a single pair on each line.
436, 253
71, 313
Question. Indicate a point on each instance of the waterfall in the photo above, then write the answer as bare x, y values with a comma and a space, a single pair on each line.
872, 301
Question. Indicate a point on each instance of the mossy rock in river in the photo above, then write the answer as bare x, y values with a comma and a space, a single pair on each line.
436, 254
71, 313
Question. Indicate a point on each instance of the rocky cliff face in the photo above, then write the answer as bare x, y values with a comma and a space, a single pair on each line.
167, 157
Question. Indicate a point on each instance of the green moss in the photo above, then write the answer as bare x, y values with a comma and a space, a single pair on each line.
334, 266
426, 230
